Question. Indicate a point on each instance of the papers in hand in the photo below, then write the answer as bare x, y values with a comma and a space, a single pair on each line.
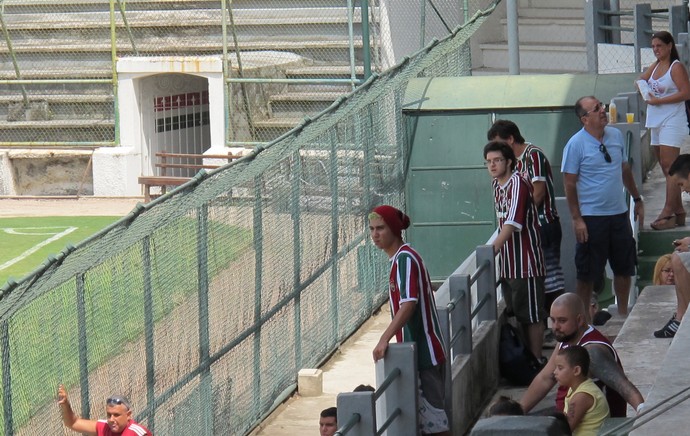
643, 87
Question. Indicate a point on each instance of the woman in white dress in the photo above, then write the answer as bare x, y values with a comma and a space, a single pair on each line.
666, 118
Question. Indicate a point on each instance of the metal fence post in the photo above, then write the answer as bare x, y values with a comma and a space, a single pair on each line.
204, 336
615, 21
257, 227
361, 403
486, 284
402, 393
83, 346
366, 43
594, 34
296, 255
642, 19
513, 38
148, 331
677, 20
6, 378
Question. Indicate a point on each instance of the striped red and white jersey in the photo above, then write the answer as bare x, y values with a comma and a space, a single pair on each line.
410, 281
534, 163
521, 256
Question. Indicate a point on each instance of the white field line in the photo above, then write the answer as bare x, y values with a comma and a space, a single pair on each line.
36, 247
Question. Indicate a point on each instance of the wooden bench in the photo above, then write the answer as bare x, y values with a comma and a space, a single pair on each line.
177, 160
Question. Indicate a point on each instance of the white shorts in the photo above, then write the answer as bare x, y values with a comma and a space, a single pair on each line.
671, 136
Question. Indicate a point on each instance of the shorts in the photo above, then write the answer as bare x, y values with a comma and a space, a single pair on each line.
671, 136
433, 384
551, 246
610, 238
525, 298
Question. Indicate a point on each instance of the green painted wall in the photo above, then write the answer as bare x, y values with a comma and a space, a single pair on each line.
448, 190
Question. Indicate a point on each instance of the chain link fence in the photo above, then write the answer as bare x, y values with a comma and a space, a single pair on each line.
202, 305
283, 61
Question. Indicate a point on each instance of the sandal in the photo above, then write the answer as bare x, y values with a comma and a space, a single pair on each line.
680, 219
665, 223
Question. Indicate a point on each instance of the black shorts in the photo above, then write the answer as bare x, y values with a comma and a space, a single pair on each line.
610, 238
525, 298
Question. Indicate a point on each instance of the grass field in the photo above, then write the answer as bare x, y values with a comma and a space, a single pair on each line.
26, 242
105, 284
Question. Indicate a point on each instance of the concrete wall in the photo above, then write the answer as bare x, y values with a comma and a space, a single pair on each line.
46, 172
475, 377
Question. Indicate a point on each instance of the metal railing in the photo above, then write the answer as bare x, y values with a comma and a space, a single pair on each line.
603, 26
393, 403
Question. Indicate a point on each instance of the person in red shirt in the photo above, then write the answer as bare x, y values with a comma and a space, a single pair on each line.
119, 418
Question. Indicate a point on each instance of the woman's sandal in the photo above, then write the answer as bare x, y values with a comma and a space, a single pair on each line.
680, 219
665, 223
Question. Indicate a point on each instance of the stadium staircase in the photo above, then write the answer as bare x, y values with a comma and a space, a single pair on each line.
73, 37
552, 40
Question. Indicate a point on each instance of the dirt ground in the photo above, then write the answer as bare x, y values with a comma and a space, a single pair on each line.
66, 206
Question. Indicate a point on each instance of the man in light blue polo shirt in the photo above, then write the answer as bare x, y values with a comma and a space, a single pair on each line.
595, 173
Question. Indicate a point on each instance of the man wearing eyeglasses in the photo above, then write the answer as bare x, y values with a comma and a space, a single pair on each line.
119, 418
595, 172
518, 242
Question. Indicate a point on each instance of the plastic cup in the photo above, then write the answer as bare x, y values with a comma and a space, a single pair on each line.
630, 117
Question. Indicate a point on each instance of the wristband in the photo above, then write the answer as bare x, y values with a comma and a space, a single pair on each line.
640, 407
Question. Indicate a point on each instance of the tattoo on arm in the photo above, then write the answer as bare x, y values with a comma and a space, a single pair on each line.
604, 367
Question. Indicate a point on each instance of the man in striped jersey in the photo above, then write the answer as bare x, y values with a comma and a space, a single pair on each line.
117, 409
414, 314
519, 243
533, 162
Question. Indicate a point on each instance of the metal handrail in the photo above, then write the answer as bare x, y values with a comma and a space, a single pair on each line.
387, 382
397, 412
479, 306
354, 419
648, 412
479, 271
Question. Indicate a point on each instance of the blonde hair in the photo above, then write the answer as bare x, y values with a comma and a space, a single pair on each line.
660, 264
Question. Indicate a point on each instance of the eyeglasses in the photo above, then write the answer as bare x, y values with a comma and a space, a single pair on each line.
667, 270
498, 160
118, 401
607, 156
597, 108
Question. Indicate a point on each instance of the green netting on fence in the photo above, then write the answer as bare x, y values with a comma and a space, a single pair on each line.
203, 305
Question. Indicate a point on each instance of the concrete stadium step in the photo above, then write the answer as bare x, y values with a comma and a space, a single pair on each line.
569, 9
16, 6
321, 71
182, 18
268, 130
641, 353
550, 57
75, 130
61, 106
300, 104
539, 30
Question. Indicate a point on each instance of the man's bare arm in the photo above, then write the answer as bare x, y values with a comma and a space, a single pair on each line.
605, 368
539, 192
541, 385
70, 419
